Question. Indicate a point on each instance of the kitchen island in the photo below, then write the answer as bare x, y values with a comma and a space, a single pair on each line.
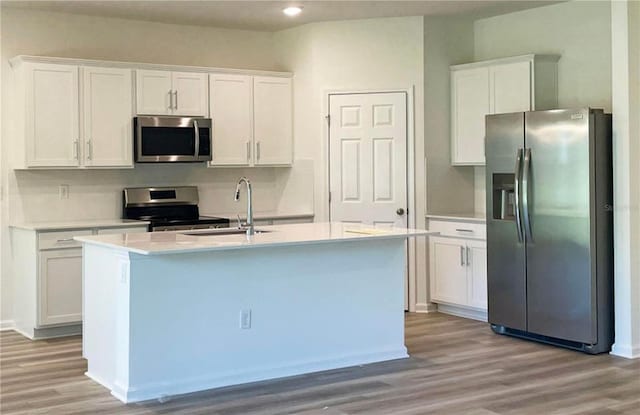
167, 313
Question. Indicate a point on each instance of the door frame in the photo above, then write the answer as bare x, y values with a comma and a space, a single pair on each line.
410, 171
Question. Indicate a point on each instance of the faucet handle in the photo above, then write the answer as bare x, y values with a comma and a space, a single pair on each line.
239, 221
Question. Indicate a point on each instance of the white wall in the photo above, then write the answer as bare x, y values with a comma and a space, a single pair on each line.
33, 195
625, 19
447, 41
374, 54
578, 31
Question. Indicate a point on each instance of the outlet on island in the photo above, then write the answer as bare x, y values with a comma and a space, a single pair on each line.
63, 191
245, 319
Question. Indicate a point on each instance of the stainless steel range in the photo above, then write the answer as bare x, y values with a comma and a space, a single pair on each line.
168, 208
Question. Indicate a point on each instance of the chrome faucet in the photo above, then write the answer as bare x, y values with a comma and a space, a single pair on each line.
250, 229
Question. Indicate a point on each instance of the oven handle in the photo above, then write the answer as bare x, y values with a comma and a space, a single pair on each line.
197, 131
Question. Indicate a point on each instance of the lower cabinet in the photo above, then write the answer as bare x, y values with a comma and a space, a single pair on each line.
60, 290
458, 274
47, 266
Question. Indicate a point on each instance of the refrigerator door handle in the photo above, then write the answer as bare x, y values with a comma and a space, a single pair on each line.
516, 194
525, 194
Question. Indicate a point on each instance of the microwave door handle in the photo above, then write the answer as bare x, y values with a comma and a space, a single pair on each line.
197, 135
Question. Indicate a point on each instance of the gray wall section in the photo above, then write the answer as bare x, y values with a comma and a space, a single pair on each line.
447, 41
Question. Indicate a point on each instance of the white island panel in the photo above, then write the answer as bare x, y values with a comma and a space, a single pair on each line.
159, 325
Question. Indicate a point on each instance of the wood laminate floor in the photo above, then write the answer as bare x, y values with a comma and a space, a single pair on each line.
457, 366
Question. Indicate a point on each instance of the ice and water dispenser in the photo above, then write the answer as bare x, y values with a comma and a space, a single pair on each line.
504, 200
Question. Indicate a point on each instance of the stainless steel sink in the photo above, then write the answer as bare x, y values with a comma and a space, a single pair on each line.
221, 231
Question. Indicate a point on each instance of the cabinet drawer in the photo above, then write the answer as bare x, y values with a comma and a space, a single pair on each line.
63, 239
131, 229
459, 229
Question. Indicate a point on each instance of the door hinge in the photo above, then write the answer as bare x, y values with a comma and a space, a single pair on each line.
328, 118
329, 197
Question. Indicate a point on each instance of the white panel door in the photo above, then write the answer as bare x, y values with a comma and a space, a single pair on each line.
470, 104
60, 287
190, 94
108, 112
368, 153
272, 118
231, 101
153, 92
448, 270
52, 116
477, 273
511, 87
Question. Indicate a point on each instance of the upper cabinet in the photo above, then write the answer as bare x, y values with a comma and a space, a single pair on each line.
231, 101
171, 93
107, 112
272, 119
78, 114
252, 120
516, 84
50, 111
51, 114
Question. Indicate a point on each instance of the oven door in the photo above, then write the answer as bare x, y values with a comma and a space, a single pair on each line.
172, 139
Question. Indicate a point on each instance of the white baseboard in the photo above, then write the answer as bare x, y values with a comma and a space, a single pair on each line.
627, 351
463, 312
165, 390
426, 308
6, 325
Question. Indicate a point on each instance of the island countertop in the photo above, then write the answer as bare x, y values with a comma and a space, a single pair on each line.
158, 243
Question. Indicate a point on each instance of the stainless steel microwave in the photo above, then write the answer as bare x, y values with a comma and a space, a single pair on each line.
172, 139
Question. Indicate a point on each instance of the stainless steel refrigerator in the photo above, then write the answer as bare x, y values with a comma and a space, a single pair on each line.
550, 227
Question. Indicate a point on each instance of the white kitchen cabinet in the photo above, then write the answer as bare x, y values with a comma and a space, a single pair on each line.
476, 261
54, 100
515, 84
471, 103
47, 264
60, 291
171, 93
231, 100
272, 117
107, 115
448, 270
154, 95
458, 267
252, 120
51, 111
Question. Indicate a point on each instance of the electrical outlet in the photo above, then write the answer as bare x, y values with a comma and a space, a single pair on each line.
63, 191
245, 319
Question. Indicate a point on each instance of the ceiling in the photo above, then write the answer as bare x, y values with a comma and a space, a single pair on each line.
267, 15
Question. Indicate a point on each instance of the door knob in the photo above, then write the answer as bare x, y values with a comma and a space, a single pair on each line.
400, 212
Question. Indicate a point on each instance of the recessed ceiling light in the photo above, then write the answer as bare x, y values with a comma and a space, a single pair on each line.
292, 11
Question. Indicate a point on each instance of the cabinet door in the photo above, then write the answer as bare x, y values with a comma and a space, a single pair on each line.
190, 94
470, 104
511, 87
60, 287
230, 97
153, 92
108, 116
52, 109
476, 259
272, 120
448, 272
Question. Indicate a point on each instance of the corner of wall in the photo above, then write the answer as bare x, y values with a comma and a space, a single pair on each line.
447, 41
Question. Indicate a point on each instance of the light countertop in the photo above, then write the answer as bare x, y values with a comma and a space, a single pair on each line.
157, 243
79, 224
460, 217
